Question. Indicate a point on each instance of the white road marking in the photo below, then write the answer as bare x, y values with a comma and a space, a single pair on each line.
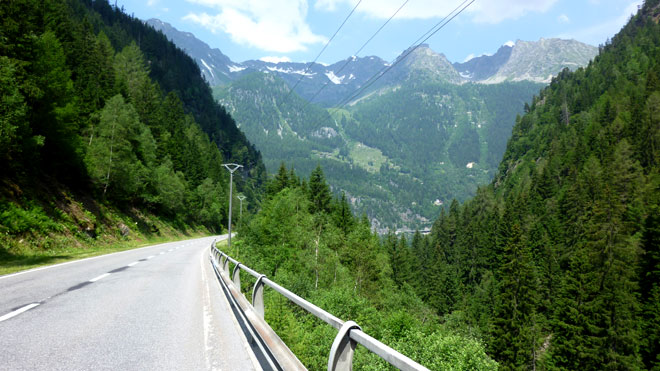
18, 311
104, 275
150, 257
162, 252
132, 264
219, 238
170, 250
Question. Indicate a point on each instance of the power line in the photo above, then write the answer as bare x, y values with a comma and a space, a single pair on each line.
357, 52
437, 27
321, 52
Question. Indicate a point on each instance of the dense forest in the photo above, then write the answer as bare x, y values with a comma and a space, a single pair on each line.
99, 110
556, 264
394, 153
310, 242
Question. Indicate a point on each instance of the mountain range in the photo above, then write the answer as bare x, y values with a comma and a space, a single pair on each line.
426, 132
535, 61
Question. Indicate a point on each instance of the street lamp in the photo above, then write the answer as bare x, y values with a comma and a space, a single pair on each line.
231, 168
240, 215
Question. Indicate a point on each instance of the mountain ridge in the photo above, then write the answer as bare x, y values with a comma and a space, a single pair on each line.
525, 61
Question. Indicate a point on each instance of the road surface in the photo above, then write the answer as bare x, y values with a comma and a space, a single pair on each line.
154, 308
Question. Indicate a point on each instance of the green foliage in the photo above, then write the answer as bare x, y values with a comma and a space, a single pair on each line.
555, 261
445, 351
12, 111
331, 258
393, 153
16, 220
138, 134
111, 156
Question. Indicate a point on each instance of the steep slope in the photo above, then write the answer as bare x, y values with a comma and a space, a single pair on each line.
102, 139
541, 60
558, 260
485, 66
398, 154
282, 126
428, 64
418, 137
215, 66
533, 61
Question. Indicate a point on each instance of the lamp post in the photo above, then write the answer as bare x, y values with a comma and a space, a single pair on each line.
240, 215
231, 168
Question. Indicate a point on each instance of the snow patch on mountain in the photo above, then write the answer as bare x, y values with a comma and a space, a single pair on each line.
234, 68
332, 77
289, 70
207, 67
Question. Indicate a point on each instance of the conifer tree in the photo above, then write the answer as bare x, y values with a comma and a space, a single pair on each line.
514, 325
319, 192
650, 288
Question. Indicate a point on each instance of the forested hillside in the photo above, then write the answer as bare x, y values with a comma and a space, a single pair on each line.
556, 264
397, 154
105, 124
310, 242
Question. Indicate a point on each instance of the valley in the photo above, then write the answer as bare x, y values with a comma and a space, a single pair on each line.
426, 133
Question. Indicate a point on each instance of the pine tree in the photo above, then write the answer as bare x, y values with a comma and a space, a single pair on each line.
514, 327
319, 192
650, 288
343, 215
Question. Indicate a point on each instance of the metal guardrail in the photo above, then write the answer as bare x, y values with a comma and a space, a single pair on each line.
350, 334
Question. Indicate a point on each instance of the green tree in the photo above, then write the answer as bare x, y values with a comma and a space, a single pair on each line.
319, 192
13, 111
650, 289
514, 326
111, 156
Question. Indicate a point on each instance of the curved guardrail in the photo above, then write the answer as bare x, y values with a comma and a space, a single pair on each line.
349, 333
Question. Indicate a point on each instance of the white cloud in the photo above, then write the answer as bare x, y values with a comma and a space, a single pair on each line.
274, 25
470, 56
482, 11
494, 11
563, 19
598, 34
152, 2
271, 59
510, 43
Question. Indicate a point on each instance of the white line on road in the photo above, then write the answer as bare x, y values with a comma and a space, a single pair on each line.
219, 238
162, 252
150, 257
132, 264
18, 311
104, 275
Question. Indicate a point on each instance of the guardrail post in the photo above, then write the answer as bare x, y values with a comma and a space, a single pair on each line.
341, 353
258, 296
225, 265
236, 276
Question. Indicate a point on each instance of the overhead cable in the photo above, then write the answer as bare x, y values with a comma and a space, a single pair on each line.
321, 52
357, 52
437, 27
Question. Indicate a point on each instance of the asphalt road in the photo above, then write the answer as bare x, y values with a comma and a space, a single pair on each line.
154, 308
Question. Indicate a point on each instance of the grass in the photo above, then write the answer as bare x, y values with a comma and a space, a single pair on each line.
367, 157
11, 263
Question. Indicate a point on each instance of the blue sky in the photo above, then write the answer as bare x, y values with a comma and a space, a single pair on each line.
297, 30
